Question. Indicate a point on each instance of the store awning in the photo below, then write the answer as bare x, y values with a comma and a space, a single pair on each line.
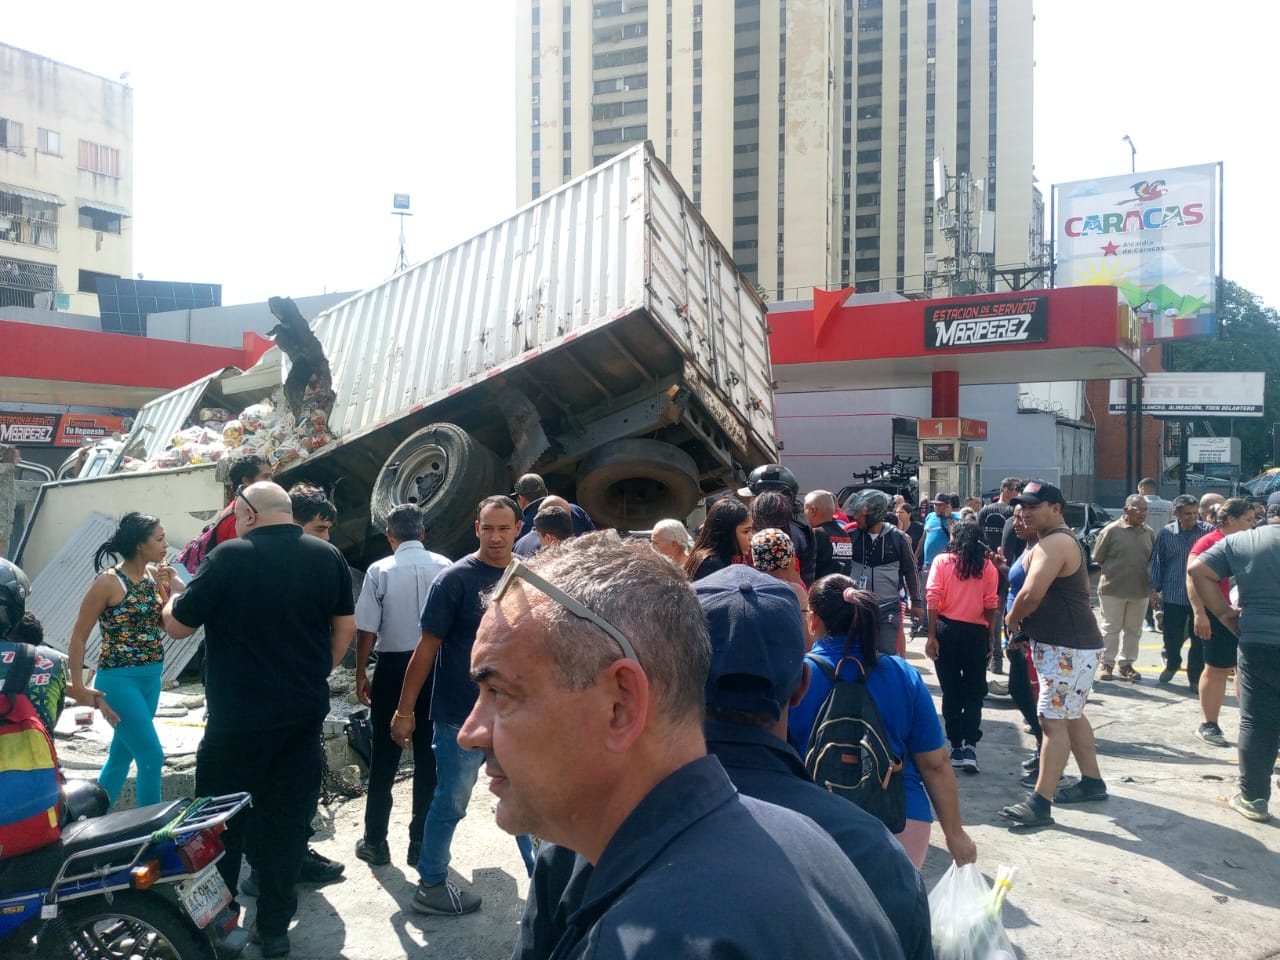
31, 194
102, 207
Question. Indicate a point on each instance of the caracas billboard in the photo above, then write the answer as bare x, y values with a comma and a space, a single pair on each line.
1154, 237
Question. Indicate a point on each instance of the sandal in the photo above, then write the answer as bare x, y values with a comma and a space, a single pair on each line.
1128, 673
1078, 793
1104, 672
1024, 815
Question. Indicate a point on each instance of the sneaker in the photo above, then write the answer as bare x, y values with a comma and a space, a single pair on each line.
1253, 809
1212, 733
1030, 780
1106, 672
445, 899
318, 869
1032, 762
997, 667
376, 854
1168, 673
969, 758
1127, 672
957, 757
1160, 621
271, 946
415, 851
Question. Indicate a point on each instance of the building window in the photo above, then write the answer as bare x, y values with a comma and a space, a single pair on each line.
89, 281
10, 135
100, 220
97, 158
49, 142
27, 221
22, 281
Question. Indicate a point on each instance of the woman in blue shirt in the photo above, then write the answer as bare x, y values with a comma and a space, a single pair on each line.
845, 621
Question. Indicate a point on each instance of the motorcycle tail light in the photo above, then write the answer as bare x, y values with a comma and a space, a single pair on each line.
199, 850
144, 875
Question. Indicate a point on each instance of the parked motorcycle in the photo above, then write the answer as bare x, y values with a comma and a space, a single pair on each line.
139, 883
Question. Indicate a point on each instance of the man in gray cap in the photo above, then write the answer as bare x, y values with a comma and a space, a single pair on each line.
757, 673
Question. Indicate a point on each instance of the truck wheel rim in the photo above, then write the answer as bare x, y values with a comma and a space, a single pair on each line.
420, 475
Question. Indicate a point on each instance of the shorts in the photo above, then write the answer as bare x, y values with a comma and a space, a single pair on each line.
1066, 677
1220, 649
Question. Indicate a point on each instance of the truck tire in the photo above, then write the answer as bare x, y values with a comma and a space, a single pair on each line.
632, 484
446, 473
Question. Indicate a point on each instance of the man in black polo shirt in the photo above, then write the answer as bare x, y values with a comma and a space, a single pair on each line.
592, 664
278, 616
757, 672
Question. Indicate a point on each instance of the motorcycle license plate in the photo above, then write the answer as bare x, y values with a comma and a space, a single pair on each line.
204, 895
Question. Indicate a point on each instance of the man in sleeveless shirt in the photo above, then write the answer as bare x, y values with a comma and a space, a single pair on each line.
1053, 609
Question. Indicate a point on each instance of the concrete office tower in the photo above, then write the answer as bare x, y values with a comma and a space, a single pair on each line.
806, 130
66, 183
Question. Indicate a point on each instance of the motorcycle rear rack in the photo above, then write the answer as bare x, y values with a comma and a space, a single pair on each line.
200, 815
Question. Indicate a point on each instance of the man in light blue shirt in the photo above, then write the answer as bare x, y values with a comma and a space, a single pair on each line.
387, 613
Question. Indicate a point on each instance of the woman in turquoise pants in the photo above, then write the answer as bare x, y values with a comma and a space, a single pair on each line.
126, 600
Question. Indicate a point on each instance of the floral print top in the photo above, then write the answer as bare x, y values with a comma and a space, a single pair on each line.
132, 634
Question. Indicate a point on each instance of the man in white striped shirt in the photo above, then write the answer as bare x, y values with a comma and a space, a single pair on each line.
387, 614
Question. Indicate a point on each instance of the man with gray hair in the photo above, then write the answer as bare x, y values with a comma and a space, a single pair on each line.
391, 600
1123, 551
671, 539
601, 637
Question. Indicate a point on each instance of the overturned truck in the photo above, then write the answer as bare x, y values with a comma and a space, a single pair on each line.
601, 337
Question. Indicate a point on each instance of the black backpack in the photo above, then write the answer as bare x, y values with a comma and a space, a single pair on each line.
848, 751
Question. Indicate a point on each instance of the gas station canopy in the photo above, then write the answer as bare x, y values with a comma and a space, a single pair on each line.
837, 342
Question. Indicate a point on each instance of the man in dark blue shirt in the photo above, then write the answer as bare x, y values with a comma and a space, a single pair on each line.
450, 617
757, 673
592, 662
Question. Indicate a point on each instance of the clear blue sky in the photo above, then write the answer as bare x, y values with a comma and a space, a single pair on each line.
271, 136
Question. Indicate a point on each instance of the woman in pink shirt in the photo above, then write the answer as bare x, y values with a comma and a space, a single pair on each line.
962, 604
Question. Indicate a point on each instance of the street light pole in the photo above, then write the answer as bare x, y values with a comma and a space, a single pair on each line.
1133, 154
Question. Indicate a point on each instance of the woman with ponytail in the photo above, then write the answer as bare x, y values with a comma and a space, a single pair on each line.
845, 621
125, 600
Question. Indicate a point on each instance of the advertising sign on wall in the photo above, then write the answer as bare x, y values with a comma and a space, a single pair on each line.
1196, 394
1213, 450
985, 323
75, 428
28, 429
1154, 237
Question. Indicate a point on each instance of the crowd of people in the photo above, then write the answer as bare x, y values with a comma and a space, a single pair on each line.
692, 669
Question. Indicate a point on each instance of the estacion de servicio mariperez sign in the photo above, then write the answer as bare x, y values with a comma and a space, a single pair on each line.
981, 323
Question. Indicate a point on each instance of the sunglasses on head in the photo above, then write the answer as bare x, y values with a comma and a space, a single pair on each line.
518, 571
240, 495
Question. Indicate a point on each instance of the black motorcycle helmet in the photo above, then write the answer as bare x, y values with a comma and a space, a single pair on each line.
773, 476
877, 503
14, 590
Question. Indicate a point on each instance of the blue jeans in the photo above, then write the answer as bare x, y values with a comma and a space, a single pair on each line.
133, 693
456, 772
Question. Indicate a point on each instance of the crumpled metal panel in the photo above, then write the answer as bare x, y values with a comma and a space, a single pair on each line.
58, 589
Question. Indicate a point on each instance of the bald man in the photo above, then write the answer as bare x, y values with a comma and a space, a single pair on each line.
1207, 503
277, 610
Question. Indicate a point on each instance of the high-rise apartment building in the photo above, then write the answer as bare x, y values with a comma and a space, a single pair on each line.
66, 182
806, 130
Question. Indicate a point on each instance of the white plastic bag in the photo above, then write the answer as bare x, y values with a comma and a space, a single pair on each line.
965, 915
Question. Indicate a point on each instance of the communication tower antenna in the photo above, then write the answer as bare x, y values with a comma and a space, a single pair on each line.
400, 208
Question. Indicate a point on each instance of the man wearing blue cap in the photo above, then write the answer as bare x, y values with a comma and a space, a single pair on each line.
757, 673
